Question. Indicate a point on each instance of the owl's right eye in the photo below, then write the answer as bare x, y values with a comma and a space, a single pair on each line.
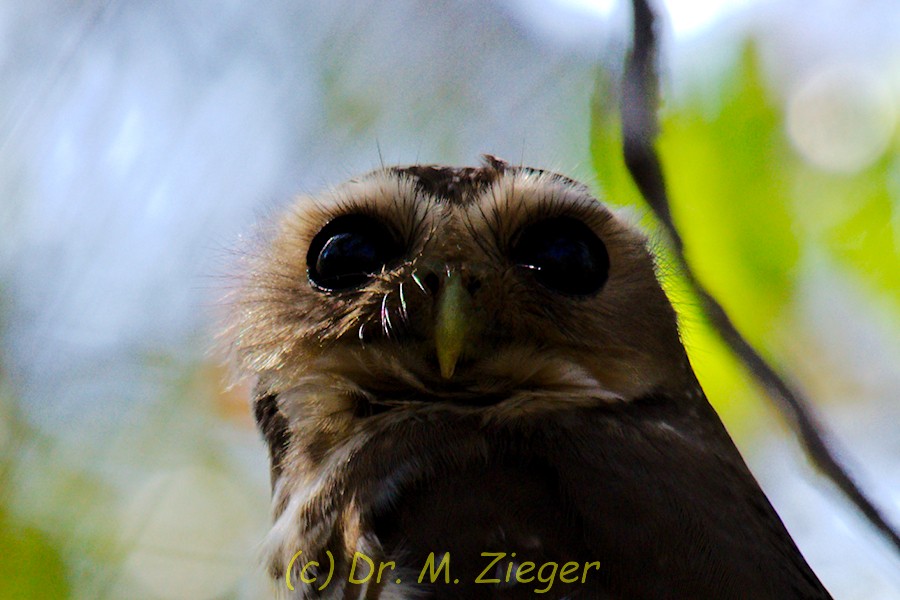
348, 251
564, 255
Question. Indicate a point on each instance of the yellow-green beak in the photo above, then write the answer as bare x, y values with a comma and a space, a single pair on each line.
453, 322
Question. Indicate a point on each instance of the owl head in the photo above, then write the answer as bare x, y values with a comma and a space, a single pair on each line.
465, 285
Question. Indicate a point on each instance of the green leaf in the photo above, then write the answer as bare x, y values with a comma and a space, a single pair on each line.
855, 219
31, 567
731, 201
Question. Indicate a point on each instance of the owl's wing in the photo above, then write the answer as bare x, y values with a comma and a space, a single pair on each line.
647, 499
670, 509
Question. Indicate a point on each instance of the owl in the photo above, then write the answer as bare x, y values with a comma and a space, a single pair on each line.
471, 385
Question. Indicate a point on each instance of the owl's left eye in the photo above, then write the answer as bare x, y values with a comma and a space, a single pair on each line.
564, 254
348, 251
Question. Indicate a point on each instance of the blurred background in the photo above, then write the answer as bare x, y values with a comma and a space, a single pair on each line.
140, 141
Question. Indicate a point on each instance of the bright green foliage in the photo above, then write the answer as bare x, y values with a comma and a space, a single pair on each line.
31, 566
749, 209
731, 200
855, 219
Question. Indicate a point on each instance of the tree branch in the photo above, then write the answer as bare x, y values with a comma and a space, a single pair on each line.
640, 98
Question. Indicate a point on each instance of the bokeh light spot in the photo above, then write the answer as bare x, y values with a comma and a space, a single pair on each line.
841, 118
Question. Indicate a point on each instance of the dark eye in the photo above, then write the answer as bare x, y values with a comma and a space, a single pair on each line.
348, 251
564, 254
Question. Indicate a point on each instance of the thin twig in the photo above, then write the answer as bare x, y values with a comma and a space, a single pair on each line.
640, 98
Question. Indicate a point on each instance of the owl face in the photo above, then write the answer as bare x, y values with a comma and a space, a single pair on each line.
462, 285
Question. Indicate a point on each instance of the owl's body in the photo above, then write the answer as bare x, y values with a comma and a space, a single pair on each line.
472, 375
